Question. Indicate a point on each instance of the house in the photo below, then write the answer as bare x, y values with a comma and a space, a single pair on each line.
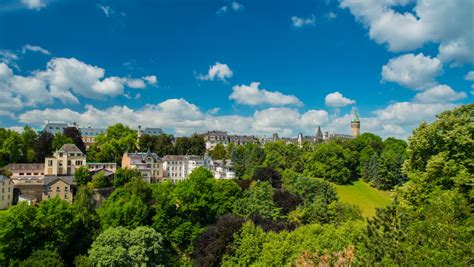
6, 192
95, 167
59, 186
179, 167
64, 161
25, 169
89, 135
223, 169
149, 131
55, 127
214, 138
149, 164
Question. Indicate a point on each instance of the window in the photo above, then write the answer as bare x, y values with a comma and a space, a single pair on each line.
50, 163
68, 163
60, 154
28, 173
66, 196
3, 190
22, 173
60, 163
78, 162
49, 188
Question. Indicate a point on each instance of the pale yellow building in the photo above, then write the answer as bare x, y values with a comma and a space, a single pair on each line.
6, 192
149, 164
65, 161
57, 186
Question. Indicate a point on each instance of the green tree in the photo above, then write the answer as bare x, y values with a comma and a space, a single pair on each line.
100, 180
329, 161
119, 246
125, 175
28, 137
82, 176
59, 140
43, 146
219, 152
112, 144
76, 137
160, 144
258, 200
43, 258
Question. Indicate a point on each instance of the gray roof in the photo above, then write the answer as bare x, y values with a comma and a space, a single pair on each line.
181, 157
144, 155
70, 148
25, 167
51, 179
92, 131
152, 131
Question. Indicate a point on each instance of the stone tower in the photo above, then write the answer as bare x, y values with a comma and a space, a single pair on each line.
355, 123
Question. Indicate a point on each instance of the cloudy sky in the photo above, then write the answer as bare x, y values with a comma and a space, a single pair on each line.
245, 66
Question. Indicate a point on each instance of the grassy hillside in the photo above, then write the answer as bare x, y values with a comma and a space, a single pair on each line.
361, 194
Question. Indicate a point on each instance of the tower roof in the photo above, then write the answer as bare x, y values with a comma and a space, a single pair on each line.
355, 116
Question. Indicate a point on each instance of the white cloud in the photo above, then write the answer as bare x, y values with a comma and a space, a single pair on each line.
253, 96
9, 57
407, 113
234, 6
337, 100
429, 21
64, 79
439, 94
469, 76
34, 48
217, 71
412, 71
106, 9
331, 15
299, 22
34, 4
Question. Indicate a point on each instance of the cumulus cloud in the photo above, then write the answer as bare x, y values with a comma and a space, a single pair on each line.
412, 71
337, 100
429, 21
252, 95
217, 72
469, 76
34, 4
234, 6
299, 22
34, 48
439, 94
63, 79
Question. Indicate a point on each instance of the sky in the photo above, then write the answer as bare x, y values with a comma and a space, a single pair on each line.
245, 66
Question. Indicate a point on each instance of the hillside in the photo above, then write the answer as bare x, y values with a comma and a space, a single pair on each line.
361, 194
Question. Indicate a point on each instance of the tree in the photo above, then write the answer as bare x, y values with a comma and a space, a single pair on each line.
219, 152
258, 200
215, 242
100, 180
193, 145
82, 176
125, 175
112, 144
43, 146
28, 137
122, 247
43, 258
160, 144
59, 140
329, 161
267, 175
76, 137
286, 200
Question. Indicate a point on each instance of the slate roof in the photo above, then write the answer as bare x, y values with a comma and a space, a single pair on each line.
25, 167
51, 179
70, 148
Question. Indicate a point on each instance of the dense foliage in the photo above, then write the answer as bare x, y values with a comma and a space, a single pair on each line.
285, 211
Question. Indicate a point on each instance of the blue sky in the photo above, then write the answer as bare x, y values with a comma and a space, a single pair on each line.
246, 66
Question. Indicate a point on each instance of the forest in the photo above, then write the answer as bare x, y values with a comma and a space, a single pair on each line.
283, 210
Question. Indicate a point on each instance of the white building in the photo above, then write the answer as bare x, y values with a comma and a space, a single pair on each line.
223, 169
178, 168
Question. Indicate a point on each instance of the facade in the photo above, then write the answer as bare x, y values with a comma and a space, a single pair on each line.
89, 135
149, 131
213, 138
56, 186
65, 161
6, 192
149, 164
178, 167
55, 127
26, 169
223, 169
95, 167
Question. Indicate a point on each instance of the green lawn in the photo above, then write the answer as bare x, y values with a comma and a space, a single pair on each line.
361, 194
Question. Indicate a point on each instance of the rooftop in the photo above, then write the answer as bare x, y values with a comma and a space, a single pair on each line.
70, 148
25, 166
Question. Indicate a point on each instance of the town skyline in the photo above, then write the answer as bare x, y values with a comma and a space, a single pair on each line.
243, 67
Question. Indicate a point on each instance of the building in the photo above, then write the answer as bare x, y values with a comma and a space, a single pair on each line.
64, 161
96, 167
214, 138
223, 169
55, 127
25, 169
58, 186
178, 167
355, 124
89, 135
149, 131
6, 192
29, 199
149, 164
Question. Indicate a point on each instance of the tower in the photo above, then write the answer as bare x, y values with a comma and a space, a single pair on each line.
319, 135
355, 123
